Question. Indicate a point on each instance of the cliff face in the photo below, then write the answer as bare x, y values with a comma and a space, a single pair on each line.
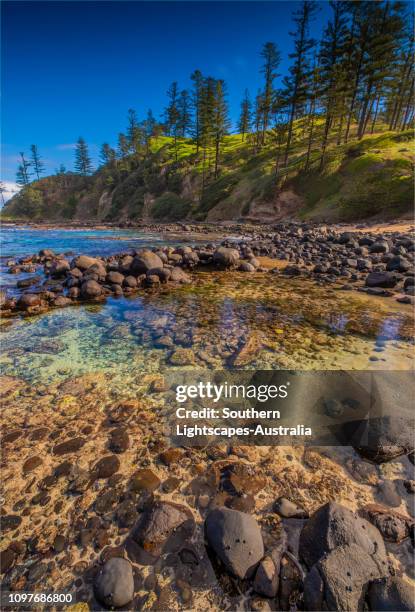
373, 177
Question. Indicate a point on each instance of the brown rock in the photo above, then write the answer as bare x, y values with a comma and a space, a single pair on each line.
144, 480
69, 446
106, 467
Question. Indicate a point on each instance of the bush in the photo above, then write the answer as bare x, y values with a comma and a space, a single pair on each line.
171, 207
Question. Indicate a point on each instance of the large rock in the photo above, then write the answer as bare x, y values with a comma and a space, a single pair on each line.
381, 438
91, 289
398, 264
159, 523
28, 300
333, 525
145, 260
386, 280
392, 594
83, 262
339, 580
236, 539
59, 268
226, 258
114, 584
115, 278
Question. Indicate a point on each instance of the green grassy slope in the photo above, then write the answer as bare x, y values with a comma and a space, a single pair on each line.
373, 177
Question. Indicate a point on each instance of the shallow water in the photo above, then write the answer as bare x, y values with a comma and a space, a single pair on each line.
221, 320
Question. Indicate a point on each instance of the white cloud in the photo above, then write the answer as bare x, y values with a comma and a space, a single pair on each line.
11, 189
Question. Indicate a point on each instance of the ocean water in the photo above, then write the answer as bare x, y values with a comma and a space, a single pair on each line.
18, 241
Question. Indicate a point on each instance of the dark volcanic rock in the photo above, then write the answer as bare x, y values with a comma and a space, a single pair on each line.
382, 438
387, 280
339, 580
114, 584
159, 523
236, 539
392, 594
333, 525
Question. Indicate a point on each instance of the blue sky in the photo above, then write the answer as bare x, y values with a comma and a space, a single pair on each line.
72, 69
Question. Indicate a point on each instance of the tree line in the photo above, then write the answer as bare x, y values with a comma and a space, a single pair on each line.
358, 78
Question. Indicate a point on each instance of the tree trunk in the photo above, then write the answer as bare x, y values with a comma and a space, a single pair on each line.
375, 115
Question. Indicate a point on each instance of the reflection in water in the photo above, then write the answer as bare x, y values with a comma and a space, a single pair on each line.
223, 320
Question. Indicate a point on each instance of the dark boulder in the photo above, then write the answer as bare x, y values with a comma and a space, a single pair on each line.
236, 539
160, 523
333, 525
386, 280
392, 594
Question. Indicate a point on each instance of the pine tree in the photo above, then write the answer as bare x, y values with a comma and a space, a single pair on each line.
23, 173
123, 146
311, 118
272, 58
83, 163
245, 118
221, 120
332, 51
385, 34
258, 118
107, 154
134, 133
198, 83
37, 163
297, 84
173, 115
184, 120
206, 123
149, 129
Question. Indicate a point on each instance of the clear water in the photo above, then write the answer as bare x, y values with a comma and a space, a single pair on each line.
20, 241
260, 321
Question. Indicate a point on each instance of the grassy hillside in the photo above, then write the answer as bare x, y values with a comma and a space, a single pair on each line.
373, 177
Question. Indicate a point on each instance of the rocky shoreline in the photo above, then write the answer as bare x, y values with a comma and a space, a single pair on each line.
377, 264
96, 503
